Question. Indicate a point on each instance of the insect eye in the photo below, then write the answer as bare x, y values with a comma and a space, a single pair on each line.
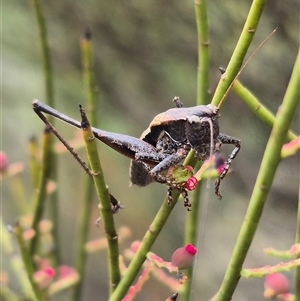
193, 119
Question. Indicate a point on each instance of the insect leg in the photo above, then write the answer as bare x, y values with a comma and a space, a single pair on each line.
165, 161
39, 107
170, 160
225, 139
186, 201
184, 194
177, 102
123, 144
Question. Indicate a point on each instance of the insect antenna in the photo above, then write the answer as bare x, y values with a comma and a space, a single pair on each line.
243, 67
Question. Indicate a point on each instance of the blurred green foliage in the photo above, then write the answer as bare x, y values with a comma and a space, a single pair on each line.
145, 54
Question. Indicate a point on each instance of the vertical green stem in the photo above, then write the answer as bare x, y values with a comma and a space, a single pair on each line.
45, 53
49, 171
34, 162
39, 202
191, 231
104, 200
83, 219
269, 164
203, 52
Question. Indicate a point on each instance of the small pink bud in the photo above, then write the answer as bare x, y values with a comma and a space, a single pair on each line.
221, 169
189, 168
3, 162
275, 284
191, 184
49, 271
183, 257
44, 277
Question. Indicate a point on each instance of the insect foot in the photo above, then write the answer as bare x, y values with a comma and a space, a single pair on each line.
177, 178
225, 139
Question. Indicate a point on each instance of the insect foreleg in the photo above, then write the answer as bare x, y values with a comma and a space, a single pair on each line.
225, 139
170, 160
150, 157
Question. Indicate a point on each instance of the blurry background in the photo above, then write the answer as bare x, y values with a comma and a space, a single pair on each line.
145, 54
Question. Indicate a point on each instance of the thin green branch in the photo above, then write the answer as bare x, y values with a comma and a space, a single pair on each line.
88, 192
49, 157
105, 204
45, 52
191, 236
39, 202
257, 107
88, 75
6, 294
34, 162
17, 265
27, 262
269, 164
203, 52
147, 242
240, 50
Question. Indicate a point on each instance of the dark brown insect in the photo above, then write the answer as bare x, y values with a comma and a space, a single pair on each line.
165, 143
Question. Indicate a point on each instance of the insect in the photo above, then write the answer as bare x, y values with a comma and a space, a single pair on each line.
165, 143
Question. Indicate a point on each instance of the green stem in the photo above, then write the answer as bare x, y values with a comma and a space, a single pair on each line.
257, 107
269, 164
48, 158
203, 52
27, 262
6, 294
89, 76
45, 53
19, 275
39, 202
19, 195
83, 219
191, 231
34, 162
146, 244
104, 200
240, 50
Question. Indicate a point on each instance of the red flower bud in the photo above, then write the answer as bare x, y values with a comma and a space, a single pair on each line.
221, 169
191, 184
183, 257
275, 284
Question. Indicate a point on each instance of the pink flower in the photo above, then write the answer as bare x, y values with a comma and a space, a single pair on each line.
3, 162
183, 257
44, 277
191, 183
275, 284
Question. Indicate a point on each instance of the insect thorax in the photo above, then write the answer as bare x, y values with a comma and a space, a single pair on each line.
199, 134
